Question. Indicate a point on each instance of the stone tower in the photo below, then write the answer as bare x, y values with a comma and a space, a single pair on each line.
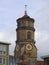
25, 49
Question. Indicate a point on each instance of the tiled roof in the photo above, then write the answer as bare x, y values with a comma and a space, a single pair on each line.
40, 62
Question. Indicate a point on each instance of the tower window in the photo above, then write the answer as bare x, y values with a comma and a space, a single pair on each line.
28, 35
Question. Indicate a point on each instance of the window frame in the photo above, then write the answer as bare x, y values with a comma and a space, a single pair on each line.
0, 60
3, 60
3, 49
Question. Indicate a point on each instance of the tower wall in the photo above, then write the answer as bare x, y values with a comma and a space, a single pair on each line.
25, 49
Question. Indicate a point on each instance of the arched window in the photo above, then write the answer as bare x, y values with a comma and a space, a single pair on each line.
28, 35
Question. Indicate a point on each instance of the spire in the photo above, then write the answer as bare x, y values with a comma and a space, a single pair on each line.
25, 9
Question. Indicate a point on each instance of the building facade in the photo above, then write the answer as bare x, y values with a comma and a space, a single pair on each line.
4, 53
25, 49
12, 60
46, 59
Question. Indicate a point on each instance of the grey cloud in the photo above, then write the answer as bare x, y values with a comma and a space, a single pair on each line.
39, 10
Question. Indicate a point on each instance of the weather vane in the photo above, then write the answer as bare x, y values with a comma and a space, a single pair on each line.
25, 9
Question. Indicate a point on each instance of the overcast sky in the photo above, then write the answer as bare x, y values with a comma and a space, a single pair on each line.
10, 10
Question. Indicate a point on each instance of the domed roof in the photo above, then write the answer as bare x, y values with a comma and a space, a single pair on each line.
25, 17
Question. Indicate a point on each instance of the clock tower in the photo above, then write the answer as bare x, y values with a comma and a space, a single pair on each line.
25, 50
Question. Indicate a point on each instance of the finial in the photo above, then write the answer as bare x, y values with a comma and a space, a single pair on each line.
25, 9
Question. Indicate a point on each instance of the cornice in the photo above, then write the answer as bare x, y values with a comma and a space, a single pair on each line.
25, 28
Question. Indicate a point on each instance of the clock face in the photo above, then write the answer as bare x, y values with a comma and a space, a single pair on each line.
17, 47
28, 47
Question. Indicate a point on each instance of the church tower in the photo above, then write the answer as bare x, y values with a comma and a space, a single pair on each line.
25, 49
